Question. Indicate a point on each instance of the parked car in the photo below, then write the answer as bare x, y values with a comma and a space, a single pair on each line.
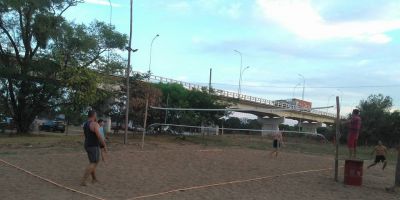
53, 126
7, 123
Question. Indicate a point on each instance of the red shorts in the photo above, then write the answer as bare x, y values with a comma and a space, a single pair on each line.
352, 141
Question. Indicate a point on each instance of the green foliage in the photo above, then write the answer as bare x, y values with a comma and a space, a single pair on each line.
378, 123
50, 64
179, 97
236, 123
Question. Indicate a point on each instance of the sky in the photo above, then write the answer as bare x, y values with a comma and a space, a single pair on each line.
342, 48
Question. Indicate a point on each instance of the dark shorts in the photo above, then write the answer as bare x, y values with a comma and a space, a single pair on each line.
380, 159
276, 144
93, 154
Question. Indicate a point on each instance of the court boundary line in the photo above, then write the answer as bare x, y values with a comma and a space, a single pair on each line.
227, 183
50, 181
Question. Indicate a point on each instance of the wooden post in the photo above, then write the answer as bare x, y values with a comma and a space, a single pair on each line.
145, 119
337, 138
397, 174
397, 177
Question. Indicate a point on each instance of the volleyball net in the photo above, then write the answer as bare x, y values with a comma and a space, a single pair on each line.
220, 134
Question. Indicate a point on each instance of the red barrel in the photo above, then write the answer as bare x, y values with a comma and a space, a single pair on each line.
353, 172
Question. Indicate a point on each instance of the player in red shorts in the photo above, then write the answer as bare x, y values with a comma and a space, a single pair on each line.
353, 133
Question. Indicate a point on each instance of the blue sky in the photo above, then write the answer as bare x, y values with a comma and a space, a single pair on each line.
341, 47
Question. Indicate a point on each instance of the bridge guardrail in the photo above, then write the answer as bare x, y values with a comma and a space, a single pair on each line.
234, 95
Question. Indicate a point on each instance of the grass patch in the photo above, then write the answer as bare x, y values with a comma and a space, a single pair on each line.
40, 140
67, 143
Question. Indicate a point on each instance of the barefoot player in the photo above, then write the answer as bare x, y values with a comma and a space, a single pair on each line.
277, 142
92, 143
380, 151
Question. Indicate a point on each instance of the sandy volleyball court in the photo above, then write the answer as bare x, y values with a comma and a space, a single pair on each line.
206, 173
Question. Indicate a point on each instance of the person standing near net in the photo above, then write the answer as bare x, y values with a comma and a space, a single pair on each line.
277, 142
380, 151
92, 143
353, 133
101, 130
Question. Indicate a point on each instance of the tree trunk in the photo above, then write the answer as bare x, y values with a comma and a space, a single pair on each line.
23, 126
23, 121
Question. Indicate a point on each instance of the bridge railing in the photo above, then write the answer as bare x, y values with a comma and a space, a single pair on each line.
234, 95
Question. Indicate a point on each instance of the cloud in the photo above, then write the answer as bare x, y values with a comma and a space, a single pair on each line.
179, 6
103, 3
303, 19
220, 7
233, 10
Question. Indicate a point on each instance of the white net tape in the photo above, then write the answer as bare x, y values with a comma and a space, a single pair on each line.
222, 129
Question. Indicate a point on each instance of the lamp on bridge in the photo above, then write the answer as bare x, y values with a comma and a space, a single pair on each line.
241, 79
240, 72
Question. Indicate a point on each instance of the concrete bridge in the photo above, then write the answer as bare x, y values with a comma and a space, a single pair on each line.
270, 113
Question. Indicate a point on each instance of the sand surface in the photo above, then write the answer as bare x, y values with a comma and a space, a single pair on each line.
130, 173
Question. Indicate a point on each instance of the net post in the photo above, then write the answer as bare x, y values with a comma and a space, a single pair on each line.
337, 138
145, 120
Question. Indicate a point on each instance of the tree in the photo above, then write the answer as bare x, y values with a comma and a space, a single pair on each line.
140, 91
233, 122
46, 61
179, 97
375, 115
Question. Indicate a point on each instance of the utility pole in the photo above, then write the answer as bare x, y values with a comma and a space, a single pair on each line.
128, 73
337, 138
209, 81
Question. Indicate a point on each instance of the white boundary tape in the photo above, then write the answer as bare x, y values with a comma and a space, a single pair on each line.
227, 183
52, 182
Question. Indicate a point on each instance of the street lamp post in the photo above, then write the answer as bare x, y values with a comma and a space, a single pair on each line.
302, 98
329, 100
111, 10
240, 72
151, 50
304, 86
241, 77
294, 89
341, 94
147, 95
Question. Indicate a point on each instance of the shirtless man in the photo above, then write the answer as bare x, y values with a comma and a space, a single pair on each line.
353, 133
380, 152
92, 143
278, 141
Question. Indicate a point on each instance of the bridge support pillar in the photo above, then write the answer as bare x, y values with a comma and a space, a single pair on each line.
310, 127
270, 125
